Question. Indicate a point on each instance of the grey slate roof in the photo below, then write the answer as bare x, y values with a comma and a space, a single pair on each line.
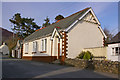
63, 24
115, 39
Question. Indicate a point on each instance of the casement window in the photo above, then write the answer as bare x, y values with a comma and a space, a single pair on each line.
43, 44
35, 46
26, 48
116, 51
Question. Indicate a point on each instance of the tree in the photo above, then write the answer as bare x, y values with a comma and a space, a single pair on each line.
29, 26
108, 34
47, 22
16, 20
59, 17
23, 26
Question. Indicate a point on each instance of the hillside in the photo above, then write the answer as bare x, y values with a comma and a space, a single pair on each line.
7, 37
5, 34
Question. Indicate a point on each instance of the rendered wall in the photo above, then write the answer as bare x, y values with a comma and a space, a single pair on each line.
109, 54
83, 35
30, 48
48, 51
98, 51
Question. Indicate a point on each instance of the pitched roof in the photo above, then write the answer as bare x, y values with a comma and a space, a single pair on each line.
115, 39
62, 24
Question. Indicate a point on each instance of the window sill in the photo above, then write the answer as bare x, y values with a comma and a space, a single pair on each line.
26, 53
42, 51
33, 52
115, 55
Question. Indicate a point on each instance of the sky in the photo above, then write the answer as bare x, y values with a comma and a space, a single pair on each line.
106, 12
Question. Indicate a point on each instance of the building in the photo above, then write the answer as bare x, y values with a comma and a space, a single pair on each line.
114, 48
4, 49
18, 49
65, 38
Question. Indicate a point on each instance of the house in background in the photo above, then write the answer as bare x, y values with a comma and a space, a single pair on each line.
65, 38
114, 48
4, 49
18, 49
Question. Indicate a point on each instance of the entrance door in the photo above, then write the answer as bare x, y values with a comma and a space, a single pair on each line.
58, 50
57, 47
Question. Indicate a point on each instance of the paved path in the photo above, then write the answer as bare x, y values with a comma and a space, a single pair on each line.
18, 68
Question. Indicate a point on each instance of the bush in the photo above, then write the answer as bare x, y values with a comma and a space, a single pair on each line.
80, 56
85, 55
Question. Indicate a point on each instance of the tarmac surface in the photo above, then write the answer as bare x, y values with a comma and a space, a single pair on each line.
19, 68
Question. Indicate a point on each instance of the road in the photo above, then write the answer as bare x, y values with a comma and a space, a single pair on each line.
18, 68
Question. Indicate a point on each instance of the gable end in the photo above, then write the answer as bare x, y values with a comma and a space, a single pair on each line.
95, 18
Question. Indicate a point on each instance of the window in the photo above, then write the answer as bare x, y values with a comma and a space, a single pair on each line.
43, 44
119, 50
113, 51
34, 46
26, 48
116, 51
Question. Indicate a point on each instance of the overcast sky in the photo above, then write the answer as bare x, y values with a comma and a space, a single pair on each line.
106, 12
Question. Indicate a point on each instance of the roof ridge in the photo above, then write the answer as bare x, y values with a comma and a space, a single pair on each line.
73, 14
76, 13
62, 24
64, 18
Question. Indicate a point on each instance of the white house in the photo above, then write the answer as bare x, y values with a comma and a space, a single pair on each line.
65, 38
17, 51
4, 49
114, 48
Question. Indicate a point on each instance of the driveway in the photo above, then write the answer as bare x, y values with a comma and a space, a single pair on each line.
18, 68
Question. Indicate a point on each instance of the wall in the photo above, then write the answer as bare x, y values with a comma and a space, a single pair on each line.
109, 54
83, 35
13, 53
97, 65
55, 45
51, 53
41, 58
98, 51
4, 49
30, 48
48, 51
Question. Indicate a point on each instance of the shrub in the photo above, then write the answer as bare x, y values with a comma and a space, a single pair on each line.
85, 55
80, 56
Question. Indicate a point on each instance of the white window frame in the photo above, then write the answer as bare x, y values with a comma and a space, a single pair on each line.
44, 44
114, 51
26, 47
35, 46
